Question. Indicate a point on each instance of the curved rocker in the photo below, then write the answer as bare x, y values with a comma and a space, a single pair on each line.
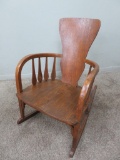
63, 99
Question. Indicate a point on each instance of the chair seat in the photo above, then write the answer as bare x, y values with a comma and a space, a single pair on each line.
54, 98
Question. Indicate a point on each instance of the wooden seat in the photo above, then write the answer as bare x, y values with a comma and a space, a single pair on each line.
62, 99
53, 98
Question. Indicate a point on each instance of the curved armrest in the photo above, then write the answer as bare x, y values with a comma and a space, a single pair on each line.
89, 80
26, 59
87, 86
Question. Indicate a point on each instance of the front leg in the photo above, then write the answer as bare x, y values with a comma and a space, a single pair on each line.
22, 113
90, 100
22, 109
77, 131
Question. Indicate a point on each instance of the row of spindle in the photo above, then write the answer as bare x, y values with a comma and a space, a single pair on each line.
39, 78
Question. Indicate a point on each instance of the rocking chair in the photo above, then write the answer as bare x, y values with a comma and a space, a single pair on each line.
63, 99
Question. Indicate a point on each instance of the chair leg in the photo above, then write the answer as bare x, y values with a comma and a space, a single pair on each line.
91, 98
22, 113
76, 138
77, 130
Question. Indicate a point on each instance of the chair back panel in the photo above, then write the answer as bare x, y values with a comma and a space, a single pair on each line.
77, 35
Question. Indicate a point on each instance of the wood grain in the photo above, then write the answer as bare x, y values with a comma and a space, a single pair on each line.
77, 35
59, 102
63, 99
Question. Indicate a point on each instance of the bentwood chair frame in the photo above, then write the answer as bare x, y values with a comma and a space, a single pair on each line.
62, 99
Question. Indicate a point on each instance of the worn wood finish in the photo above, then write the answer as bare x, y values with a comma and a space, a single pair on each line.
77, 35
63, 99
60, 105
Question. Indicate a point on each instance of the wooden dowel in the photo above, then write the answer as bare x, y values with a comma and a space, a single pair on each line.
53, 74
89, 69
34, 80
46, 75
39, 71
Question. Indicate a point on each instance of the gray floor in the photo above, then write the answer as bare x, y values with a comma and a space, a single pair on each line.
42, 138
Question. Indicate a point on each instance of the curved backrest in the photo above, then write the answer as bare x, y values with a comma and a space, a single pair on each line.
77, 35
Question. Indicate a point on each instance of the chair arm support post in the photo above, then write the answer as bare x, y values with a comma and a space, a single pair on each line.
86, 88
26, 59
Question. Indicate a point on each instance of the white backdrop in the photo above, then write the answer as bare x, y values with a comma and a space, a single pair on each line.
32, 26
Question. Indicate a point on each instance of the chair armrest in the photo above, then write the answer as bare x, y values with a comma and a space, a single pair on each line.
87, 86
22, 63
89, 80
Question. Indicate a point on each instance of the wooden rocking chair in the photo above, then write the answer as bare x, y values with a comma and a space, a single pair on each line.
63, 99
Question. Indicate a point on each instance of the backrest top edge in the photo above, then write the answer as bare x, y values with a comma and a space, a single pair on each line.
75, 18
